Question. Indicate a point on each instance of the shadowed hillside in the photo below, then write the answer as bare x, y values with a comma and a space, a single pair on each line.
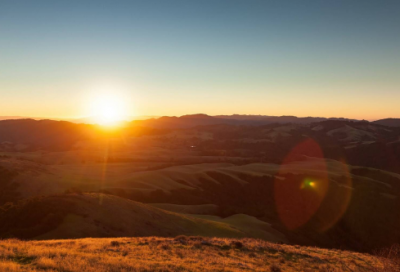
99, 215
350, 207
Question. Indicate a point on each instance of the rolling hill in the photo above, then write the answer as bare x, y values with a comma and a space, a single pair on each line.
99, 215
198, 140
349, 205
332, 184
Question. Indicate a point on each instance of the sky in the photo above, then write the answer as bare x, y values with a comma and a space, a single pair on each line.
327, 58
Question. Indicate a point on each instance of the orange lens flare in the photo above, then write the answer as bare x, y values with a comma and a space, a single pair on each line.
308, 189
308, 184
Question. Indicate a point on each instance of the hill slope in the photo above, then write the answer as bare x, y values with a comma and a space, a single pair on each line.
99, 215
179, 254
353, 207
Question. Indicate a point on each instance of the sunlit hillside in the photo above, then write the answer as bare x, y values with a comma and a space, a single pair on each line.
179, 254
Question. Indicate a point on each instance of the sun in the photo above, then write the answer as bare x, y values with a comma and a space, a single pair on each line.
108, 109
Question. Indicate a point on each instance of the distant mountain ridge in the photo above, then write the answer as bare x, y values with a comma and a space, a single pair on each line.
187, 121
191, 120
389, 122
283, 118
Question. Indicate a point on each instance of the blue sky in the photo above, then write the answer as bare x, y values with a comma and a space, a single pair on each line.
306, 58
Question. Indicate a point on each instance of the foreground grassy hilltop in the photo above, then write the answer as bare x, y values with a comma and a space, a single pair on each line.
178, 254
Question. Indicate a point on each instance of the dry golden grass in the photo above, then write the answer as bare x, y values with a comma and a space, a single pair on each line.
176, 254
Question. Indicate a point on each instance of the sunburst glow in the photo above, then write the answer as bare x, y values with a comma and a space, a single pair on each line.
108, 109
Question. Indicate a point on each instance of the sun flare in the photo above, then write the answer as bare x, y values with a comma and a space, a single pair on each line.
108, 109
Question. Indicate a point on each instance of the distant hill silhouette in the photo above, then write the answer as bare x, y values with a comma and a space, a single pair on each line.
390, 122
187, 121
18, 117
280, 119
193, 120
44, 133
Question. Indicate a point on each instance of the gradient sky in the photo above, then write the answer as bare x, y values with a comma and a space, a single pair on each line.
327, 58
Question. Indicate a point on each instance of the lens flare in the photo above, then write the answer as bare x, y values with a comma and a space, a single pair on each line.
310, 190
308, 184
